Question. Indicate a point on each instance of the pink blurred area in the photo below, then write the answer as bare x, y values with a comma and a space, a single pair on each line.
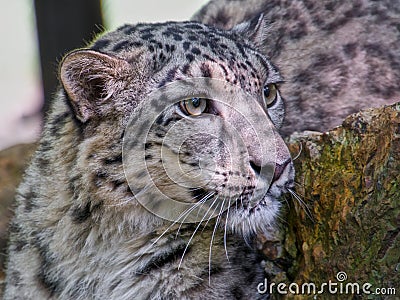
20, 85
20, 118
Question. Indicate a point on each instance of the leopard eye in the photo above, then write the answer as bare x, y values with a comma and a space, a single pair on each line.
270, 94
194, 106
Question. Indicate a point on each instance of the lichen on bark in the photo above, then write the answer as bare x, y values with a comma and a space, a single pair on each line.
349, 179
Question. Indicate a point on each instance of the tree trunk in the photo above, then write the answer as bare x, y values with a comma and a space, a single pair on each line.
349, 178
61, 27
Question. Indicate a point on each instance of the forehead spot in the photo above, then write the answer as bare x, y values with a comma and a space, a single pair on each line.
196, 51
177, 37
147, 36
189, 57
186, 46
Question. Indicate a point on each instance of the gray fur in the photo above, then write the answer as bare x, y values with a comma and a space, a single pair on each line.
336, 57
79, 232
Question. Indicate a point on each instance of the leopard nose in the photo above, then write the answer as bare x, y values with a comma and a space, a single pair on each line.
255, 167
279, 168
267, 170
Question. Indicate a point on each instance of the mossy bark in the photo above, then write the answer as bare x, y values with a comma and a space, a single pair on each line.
349, 178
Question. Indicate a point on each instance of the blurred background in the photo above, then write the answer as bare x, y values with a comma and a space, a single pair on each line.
35, 36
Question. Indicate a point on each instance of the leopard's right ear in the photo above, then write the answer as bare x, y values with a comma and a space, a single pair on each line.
90, 79
255, 30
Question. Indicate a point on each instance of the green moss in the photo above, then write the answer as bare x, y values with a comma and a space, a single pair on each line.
350, 179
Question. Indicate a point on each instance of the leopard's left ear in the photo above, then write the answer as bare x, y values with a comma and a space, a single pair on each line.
90, 79
255, 30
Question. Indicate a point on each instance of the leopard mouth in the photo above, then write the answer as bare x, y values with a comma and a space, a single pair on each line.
249, 201
262, 202
282, 182
260, 217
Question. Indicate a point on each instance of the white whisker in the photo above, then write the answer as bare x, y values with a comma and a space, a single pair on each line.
298, 154
182, 215
197, 228
225, 229
208, 220
302, 204
212, 239
200, 203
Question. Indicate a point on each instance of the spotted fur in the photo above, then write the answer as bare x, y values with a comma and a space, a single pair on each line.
337, 57
79, 232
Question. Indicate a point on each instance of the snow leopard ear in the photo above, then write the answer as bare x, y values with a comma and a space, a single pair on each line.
255, 30
90, 79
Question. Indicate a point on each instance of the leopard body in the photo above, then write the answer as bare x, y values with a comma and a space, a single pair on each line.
336, 57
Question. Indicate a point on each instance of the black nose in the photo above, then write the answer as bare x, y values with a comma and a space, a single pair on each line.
255, 167
279, 168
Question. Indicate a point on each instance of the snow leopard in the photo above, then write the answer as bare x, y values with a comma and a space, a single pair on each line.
81, 229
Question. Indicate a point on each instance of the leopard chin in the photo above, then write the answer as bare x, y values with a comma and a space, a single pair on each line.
259, 219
